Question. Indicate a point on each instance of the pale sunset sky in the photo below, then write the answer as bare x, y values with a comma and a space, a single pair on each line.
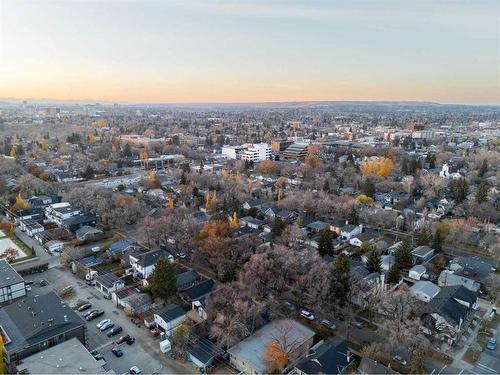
250, 51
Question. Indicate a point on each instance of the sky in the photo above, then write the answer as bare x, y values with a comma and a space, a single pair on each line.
194, 51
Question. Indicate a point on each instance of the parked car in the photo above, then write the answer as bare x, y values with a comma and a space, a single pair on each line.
135, 370
28, 288
122, 339
130, 341
492, 344
107, 326
102, 322
84, 307
117, 352
400, 360
96, 354
43, 282
94, 315
116, 330
328, 324
339, 316
307, 314
87, 313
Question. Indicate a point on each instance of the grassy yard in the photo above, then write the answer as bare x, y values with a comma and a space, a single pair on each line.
29, 253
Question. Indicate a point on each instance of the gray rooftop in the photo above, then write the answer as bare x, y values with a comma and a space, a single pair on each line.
425, 287
252, 349
70, 357
34, 319
8, 275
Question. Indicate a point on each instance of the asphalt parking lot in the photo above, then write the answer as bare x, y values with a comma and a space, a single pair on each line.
144, 353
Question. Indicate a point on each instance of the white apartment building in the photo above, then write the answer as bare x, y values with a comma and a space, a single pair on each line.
58, 212
234, 152
257, 152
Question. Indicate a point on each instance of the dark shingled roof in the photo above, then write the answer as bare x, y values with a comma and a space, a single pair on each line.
199, 290
204, 350
34, 319
171, 312
8, 275
330, 357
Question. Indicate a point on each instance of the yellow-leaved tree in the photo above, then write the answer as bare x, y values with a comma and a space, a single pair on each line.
377, 166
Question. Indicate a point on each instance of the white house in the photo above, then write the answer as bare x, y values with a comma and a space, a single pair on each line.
11, 283
58, 212
143, 264
424, 290
54, 246
349, 231
169, 318
447, 172
417, 272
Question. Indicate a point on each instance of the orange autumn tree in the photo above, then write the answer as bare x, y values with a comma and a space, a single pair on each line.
214, 237
275, 358
233, 221
377, 166
312, 161
19, 204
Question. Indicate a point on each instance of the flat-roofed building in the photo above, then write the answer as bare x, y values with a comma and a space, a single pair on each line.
11, 283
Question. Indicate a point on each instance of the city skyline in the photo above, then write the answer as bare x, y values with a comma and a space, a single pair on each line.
241, 52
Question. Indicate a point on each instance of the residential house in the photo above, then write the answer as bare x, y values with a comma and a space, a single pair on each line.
88, 233
424, 290
416, 272
121, 246
387, 262
12, 285
76, 222
198, 291
30, 226
358, 239
247, 355
143, 264
336, 225
202, 354
40, 201
186, 279
348, 231
446, 313
317, 226
326, 357
252, 204
251, 222
368, 367
422, 254
57, 212
108, 283
136, 303
30, 213
472, 267
448, 278
37, 323
170, 317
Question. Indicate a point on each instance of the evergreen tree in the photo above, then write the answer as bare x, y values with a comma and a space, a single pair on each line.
278, 227
374, 263
325, 244
424, 236
403, 254
368, 188
482, 193
353, 216
437, 241
326, 186
394, 275
483, 169
459, 189
339, 285
88, 173
163, 281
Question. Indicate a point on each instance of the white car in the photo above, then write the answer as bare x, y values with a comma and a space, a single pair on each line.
135, 370
102, 322
28, 288
107, 325
307, 314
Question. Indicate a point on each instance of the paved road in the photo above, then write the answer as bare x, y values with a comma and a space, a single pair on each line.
145, 353
489, 362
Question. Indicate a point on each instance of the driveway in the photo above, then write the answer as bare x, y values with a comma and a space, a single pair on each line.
489, 362
144, 353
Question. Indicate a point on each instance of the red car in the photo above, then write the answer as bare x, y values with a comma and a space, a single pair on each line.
122, 339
